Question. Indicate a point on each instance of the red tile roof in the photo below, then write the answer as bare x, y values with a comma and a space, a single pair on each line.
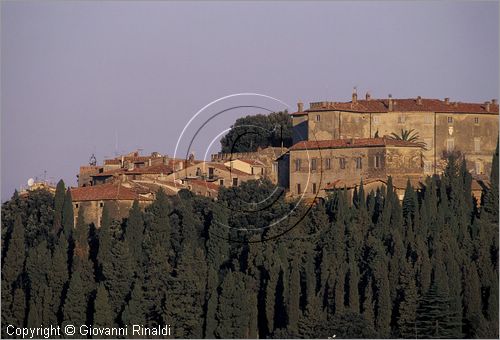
112, 161
403, 105
104, 192
154, 169
352, 143
209, 185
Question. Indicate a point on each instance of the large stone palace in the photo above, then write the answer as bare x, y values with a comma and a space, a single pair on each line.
339, 143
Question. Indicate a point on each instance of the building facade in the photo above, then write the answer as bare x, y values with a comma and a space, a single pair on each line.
442, 126
319, 165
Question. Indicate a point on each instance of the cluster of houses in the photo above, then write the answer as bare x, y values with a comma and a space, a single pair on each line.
126, 178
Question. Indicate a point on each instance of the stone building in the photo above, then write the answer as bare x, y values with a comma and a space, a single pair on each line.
270, 158
119, 197
317, 165
443, 126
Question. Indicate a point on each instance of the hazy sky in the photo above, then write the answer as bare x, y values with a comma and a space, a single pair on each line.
100, 77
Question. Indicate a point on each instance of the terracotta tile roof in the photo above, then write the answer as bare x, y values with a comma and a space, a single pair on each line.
351, 143
402, 105
209, 185
104, 192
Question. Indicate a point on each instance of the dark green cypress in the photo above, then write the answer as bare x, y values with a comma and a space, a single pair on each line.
68, 218
103, 313
12, 269
59, 204
75, 305
134, 234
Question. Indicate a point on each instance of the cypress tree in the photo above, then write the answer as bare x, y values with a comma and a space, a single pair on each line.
118, 273
12, 269
58, 275
75, 305
59, 204
103, 253
368, 304
408, 300
37, 267
134, 312
68, 218
134, 234
232, 311
103, 314
81, 260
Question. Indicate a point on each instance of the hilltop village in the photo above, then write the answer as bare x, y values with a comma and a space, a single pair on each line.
335, 145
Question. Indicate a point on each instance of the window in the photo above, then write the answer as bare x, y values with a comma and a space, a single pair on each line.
297, 164
450, 120
261, 171
299, 190
221, 182
318, 118
427, 166
275, 167
76, 205
375, 119
235, 182
377, 161
314, 188
313, 164
101, 204
428, 119
477, 144
401, 119
358, 163
479, 167
210, 172
476, 120
450, 145
252, 170
328, 163
198, 172
342, 163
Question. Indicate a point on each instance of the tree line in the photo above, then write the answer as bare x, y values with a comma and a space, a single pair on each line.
360, 265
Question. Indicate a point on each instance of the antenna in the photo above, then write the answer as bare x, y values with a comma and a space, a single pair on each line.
116, 143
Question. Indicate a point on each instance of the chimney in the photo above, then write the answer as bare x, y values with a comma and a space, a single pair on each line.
300, 107
447, 101
354, 95
368, 96
149, 161
494, 102
487, 106
419, 100
390, 102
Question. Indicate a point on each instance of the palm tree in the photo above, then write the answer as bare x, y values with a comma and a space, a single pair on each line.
406, 135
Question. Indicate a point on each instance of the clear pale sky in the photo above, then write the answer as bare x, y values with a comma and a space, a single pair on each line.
98, 77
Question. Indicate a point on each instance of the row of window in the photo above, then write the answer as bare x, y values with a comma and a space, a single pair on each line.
358, 162
428, 119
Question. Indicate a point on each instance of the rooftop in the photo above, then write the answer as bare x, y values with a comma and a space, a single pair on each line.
104, 192
403, 105
352, 143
